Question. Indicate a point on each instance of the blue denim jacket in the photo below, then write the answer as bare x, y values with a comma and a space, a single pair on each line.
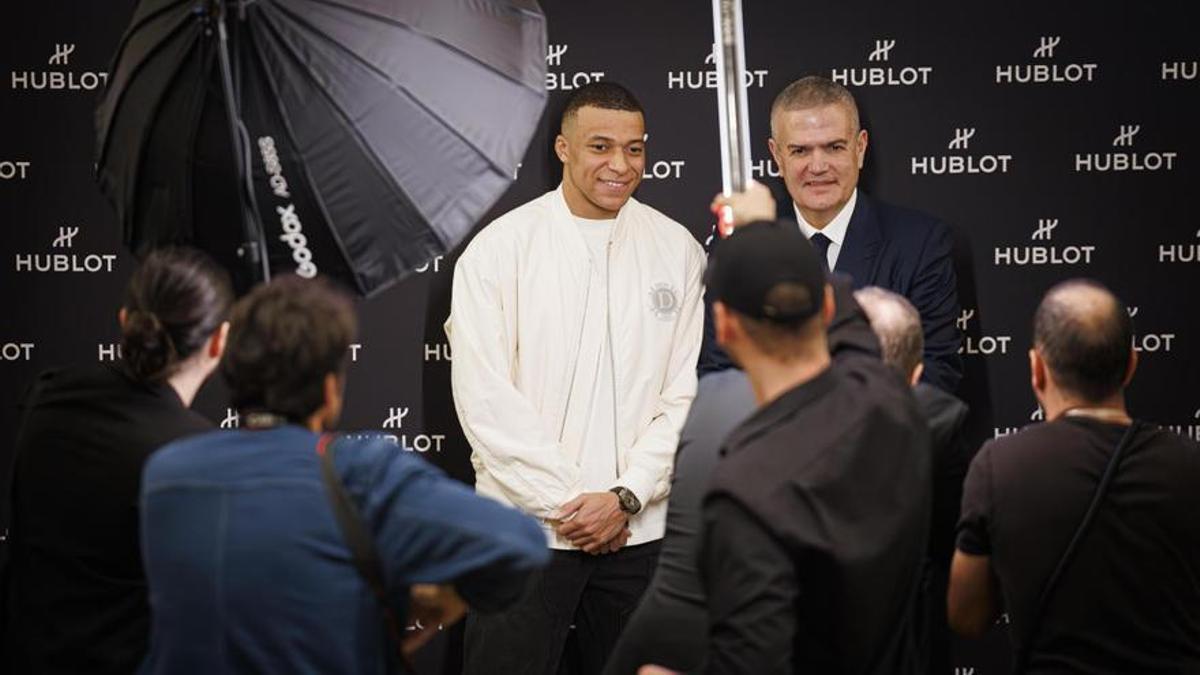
248, 570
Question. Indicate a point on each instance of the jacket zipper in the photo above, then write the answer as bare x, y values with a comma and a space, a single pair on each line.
612, 357
587, 292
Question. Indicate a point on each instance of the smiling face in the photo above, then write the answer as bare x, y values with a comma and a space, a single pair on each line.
603, 154
819, 152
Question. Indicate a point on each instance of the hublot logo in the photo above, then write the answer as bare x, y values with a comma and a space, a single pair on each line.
938, 165
882, 76
985, 345
422, 443
1102, 162
883, 48
65, 262
1042, 254
1046, 73
707, 79
962, 137
58, 80
557, 80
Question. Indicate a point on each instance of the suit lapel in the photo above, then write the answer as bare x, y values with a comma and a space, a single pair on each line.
862, 244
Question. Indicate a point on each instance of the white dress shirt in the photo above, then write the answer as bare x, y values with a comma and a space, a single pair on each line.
835, 230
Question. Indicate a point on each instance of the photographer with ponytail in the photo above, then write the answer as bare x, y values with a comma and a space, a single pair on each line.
76, 590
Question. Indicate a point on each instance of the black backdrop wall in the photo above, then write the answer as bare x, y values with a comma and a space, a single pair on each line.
1058, 139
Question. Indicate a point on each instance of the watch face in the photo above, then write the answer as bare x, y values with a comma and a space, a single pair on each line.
628, 501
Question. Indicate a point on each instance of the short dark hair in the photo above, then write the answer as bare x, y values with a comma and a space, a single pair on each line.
814, 91
1085, 335
897, 324
607, 95
285, 337
174, 302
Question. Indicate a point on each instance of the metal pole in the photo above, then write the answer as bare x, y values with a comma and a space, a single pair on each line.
254, 247
733, 118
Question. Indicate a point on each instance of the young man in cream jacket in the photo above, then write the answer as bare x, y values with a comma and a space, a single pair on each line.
575, 325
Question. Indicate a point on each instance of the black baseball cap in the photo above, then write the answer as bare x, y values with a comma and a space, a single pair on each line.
767, 270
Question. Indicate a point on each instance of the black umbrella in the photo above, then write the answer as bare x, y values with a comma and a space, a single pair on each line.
354, 138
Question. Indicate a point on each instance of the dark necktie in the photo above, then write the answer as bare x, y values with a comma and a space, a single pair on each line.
821, 243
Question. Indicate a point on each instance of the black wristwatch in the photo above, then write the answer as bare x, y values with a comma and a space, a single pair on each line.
629, 502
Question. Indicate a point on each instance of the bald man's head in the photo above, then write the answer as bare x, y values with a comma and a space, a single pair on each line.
1085, 336
897, 324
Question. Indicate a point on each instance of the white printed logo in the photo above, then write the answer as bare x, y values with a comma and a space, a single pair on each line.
959, 164
1044, 229
1041, 254
962, 138
664, 301
1045, 50
1046, 73
882, 76
1125, 135
65, 262
882, 49
59, 79
62, 54
1125, 159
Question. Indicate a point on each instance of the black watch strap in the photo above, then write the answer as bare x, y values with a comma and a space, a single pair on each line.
628, 501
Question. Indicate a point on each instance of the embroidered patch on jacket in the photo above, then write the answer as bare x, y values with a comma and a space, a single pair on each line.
664, 301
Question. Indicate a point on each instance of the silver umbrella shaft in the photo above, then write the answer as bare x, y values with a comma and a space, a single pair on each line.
733, 118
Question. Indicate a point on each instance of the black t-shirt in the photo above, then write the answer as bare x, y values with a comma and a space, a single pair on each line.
77, 592
1130, 601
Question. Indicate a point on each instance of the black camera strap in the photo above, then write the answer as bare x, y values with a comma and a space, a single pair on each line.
361, 545
1021, 660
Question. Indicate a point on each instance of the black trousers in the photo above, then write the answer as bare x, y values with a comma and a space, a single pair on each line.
664, 631
595, 594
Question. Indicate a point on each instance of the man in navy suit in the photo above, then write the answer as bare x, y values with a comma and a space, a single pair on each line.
819, 146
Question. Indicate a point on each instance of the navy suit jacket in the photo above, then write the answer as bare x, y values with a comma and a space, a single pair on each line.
904, 251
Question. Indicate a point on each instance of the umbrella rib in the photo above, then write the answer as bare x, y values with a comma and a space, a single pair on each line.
137, 68
414, 31
396, 86
288, 129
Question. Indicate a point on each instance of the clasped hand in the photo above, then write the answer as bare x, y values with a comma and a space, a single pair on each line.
594, 522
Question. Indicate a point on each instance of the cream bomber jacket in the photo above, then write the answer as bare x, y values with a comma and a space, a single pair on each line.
517, 323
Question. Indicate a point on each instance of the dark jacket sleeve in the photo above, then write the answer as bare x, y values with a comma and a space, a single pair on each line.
850, 334
934, 293
430, 528
752, 592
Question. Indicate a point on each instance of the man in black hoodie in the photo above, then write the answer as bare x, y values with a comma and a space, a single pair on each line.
817, 514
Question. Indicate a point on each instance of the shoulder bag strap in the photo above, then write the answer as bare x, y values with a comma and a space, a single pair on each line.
1021, 660
362, 546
